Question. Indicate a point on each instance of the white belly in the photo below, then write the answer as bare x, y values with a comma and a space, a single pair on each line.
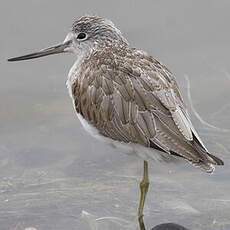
89, 128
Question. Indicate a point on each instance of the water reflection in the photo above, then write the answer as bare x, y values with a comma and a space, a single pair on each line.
169, 226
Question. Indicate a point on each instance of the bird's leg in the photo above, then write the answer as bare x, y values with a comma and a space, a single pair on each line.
144, 186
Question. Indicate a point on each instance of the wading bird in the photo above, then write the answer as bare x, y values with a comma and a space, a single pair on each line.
126, 97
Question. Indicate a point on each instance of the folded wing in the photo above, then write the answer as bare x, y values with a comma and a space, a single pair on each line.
139, 102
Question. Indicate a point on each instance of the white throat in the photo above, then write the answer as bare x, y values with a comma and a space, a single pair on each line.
74, 72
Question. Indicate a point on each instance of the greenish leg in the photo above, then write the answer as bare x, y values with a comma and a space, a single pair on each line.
144, 186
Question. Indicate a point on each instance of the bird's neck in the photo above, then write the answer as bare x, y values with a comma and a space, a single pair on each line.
74, 71
87, 54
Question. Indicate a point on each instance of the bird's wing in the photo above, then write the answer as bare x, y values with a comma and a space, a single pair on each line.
139, 102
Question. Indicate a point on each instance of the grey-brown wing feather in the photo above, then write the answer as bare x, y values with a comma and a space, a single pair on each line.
129, 103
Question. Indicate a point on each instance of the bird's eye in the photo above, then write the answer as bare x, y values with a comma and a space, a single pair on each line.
81, 36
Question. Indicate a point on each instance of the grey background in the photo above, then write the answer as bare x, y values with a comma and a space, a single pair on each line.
51, 169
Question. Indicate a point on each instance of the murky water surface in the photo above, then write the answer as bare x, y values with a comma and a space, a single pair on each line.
53, 175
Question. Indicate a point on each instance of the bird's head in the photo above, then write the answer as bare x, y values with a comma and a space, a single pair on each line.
87, 33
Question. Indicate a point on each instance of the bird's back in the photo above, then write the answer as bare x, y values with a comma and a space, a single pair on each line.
130, 97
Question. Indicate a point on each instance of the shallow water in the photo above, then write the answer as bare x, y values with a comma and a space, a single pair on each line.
51, 170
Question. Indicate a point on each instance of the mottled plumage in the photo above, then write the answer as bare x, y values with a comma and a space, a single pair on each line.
127, 96
131, 97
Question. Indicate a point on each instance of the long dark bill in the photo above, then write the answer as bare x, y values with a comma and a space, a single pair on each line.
60, 48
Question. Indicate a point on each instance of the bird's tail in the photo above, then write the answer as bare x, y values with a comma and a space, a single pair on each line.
216, 160
209, 160
209, 166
